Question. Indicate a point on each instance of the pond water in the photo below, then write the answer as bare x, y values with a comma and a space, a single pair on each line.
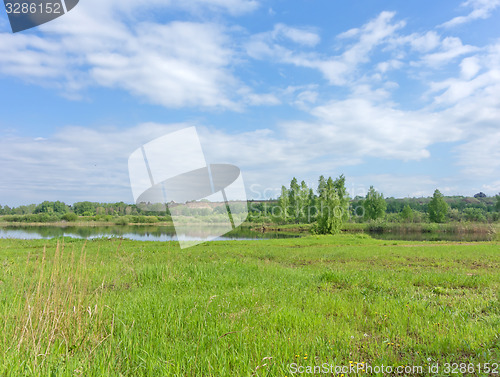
167, 233
133, 232
432, 236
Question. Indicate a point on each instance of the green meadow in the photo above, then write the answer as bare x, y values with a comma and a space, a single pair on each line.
112, 307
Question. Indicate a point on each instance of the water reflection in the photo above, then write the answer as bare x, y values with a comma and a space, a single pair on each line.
133, 232
167, 233
432, 236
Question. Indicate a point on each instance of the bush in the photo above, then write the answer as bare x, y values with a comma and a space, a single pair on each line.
70, 216
124, 220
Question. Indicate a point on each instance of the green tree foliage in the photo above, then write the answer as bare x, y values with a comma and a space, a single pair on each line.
304, 202
374, 205
497, 205
284, 202
52, 207
321, 185
329, 221
407, 213
339, 185
437, 208
45, 207
293, 194
70, 216
474, 214
85, 208
333, 205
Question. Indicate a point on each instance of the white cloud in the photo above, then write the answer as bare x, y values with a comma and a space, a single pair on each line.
493, 187
300, 36
470, 67
259, 99
472, 88
420, 42
389, 65
179, 64
450, 48
174, 64
481, 9
356, 127
306, 98
340, 69
481, 157
74, 164
78, 163
192, 64
408, 186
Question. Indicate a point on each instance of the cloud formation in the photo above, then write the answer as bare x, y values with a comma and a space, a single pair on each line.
348, 99
481, 9
176, 64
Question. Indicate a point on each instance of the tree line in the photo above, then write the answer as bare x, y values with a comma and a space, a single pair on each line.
327, 208
330, 206
50, 211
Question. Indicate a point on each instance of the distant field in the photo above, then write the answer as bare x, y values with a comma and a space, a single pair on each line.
245, 308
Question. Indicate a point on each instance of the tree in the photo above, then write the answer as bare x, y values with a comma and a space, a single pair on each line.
284, 202
497, 205
84, 208
70, 216
321, 185
60, 207
339, 184
437, 208
407, 213
474, 214
303, 202
334, 205
52, 207
312, 210
374, 204
293, 194
45, 207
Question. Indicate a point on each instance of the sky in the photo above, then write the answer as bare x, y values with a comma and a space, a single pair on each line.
401, 95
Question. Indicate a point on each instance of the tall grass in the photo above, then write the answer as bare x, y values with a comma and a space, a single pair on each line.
51, 309
242, 308
451, 228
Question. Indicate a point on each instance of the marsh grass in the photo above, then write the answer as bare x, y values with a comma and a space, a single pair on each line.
244, 308
50, 309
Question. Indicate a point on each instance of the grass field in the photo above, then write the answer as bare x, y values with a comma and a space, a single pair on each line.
245, 308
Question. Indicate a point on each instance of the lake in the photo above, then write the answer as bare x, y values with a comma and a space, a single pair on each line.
133, 232
167, 233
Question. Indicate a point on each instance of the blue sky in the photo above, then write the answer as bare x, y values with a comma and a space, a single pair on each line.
404, 96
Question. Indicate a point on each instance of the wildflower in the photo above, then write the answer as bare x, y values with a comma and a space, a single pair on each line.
352, 336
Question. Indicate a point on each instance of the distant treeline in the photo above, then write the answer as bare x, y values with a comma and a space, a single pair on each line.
60, 211
297, 203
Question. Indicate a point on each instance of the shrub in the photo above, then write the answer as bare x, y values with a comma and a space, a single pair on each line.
70, 216
124, 220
